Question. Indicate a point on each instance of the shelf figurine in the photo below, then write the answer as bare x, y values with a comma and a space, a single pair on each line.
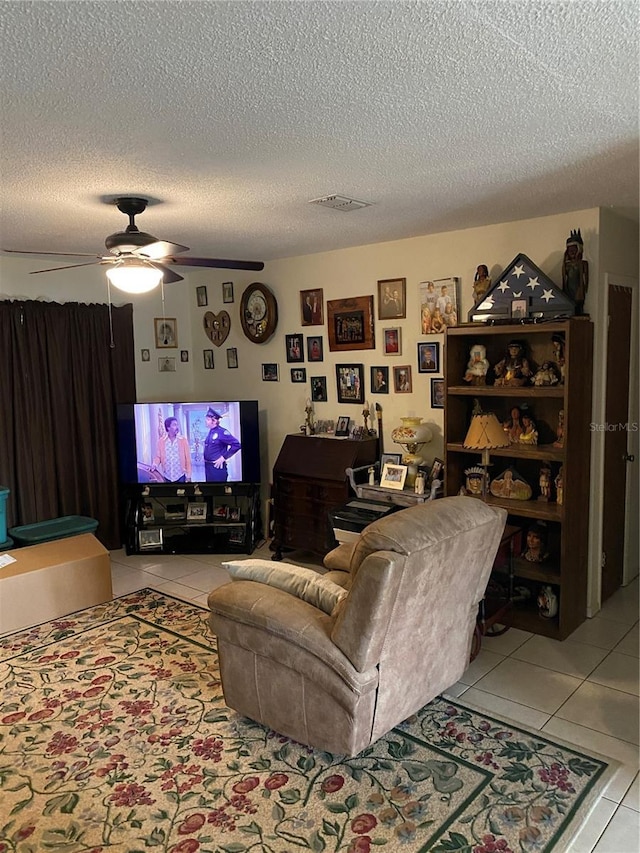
514, 368
529, 434
513, 425
559, 484
545, 482
557, 343
559, 442
536, 547
547, 602
475, 477
575, 271
546, 375
510, 484
481, 283
477, 366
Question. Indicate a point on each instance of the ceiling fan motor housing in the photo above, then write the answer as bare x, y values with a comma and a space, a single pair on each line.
130, 239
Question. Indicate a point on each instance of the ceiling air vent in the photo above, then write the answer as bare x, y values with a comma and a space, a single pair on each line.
340, 202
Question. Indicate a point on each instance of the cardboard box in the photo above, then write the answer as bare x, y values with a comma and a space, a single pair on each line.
53, 579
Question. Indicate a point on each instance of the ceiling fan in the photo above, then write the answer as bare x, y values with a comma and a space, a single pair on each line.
136, 255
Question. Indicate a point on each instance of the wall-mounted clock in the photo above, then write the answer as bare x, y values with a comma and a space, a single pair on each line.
258, 312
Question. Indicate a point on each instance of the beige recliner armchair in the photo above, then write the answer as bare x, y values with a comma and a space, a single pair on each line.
380, 639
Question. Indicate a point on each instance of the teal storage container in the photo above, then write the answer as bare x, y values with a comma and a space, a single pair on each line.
4, 494
54, 528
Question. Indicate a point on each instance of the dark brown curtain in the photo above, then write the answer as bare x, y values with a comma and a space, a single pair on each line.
60, 380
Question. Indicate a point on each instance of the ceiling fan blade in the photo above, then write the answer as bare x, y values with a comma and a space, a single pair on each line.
69, 267
168, 276
220, 263
159, 250
62, 254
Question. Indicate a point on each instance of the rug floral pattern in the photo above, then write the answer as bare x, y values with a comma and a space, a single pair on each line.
114, 736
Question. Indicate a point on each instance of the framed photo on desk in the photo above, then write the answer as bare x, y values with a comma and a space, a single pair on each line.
393, 476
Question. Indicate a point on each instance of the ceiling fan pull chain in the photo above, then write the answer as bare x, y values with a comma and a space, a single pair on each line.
162, 297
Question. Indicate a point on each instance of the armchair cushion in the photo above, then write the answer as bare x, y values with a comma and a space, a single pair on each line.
306, 584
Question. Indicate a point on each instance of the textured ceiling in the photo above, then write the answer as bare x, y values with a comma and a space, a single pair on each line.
445, 115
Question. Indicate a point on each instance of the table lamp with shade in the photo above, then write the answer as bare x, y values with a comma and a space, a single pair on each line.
413, 434
485, 433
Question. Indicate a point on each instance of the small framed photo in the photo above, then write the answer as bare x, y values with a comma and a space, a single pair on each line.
208, 359
392, 299
392, 341
429, 358
147, 513
184, 355
227, 291
145, 355
379, 380
393, 476
150, 540
167, 365
392, 458
293, 344
312, 307
232, 357
437, 393
270, 373
221, 511
519, 309
197, 511
319, 389
402, 379
234, 513
315, 350
342, 427
436, 472
166, 332
350, 382
201, 296
298, 374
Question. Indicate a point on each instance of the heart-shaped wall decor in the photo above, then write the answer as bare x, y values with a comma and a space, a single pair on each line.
217, 327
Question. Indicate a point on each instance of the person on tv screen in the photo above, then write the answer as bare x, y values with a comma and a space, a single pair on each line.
219, 445
172, 454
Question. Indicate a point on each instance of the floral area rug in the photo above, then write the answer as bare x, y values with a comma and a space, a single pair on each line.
114, 736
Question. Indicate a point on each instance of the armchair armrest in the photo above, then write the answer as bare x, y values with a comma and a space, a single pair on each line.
243, 612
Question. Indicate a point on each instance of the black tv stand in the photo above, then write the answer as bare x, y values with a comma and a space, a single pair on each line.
182, 518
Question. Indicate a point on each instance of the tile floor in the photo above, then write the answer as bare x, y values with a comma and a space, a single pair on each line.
583, 690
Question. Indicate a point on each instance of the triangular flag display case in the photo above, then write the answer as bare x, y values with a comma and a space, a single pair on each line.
556, 467
523, 292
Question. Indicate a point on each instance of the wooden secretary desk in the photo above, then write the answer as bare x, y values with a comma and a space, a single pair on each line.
309, 479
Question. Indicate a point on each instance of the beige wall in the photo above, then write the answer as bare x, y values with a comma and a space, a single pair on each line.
355, 272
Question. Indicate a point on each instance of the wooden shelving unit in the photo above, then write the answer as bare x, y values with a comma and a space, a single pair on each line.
567, 524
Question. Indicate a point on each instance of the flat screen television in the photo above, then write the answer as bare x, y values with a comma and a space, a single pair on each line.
144, 430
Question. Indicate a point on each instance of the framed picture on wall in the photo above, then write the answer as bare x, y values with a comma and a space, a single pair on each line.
298, 374
392, 341
201, 296
319, 389
429, 357
392, 299
315, 350
402, 379
437, 393
227, 291
311, 307
350, 323
379, 379
293, 344
350, 383
166, 332
270, 372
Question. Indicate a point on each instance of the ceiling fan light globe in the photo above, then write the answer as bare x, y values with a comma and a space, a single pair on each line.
134, 277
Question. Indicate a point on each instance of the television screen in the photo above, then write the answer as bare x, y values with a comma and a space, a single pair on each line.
203, 442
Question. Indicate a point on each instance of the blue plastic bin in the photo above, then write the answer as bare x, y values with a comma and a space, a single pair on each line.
4, 494
54, 528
